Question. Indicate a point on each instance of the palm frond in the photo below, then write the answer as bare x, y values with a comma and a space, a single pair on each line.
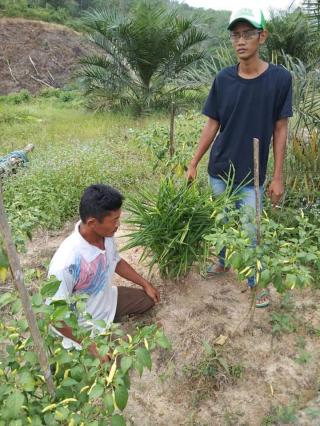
143, 52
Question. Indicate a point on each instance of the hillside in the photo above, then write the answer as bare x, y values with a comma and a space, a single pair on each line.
54, 50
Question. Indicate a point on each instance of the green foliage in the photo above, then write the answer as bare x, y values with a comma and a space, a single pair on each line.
303, 165
156, 138
18, 97
86, 390
144, 52
312, 9
203, 73
288, 257
170, 225
290, 32
69, 12
30, 9
71, 97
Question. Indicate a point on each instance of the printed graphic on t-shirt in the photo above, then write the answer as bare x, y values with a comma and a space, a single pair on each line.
89, 277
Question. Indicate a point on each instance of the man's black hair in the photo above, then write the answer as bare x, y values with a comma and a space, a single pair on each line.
98, 200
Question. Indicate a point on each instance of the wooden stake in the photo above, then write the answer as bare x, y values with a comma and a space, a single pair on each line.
171, 143
256, 162
17, 275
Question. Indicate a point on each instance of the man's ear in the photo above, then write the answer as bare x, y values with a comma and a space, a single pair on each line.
91, 221
263, 36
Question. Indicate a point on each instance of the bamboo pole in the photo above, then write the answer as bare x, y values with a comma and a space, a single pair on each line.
171, 142
17, 275
256, 163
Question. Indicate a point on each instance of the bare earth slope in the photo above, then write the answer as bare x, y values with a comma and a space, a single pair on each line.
54, 49
277, 369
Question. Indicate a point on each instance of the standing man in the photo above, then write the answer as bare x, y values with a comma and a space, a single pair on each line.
251, 99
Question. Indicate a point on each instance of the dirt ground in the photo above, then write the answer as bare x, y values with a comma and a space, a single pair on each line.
54, 49
275, 369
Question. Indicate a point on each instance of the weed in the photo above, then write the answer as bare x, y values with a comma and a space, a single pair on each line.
313, 413
280, 415
303, 357
287, 302
237, 371
212, 371
283, 323
232, 419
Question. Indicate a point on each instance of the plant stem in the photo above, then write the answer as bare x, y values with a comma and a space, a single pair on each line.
257, 186
17, 275
171, 145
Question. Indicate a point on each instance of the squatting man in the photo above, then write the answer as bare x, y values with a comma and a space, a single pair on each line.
86, 261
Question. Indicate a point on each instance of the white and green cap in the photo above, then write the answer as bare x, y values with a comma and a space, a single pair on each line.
252, 15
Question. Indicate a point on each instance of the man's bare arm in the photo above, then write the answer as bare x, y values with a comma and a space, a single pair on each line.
126, 271
67, 332
280, 135
207, 136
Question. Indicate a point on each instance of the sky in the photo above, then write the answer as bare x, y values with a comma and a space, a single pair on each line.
265, 5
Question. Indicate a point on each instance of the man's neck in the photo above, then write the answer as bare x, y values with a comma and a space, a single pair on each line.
91, 237
251, 67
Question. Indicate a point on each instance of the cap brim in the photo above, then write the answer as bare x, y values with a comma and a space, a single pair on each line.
233, 23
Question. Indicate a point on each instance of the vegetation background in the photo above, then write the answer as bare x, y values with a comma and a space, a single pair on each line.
111, 122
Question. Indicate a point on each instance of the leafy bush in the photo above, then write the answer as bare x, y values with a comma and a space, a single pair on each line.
87, 391
288, 257
18, 97
170, 225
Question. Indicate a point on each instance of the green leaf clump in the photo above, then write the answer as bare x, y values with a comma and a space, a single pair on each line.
170, 225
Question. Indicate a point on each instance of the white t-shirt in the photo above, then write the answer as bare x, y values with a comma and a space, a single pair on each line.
84, 268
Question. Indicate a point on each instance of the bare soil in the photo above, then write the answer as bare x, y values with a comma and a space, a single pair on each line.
54, 49
278, 369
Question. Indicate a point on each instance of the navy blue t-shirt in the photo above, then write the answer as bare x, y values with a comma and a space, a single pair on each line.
246, 109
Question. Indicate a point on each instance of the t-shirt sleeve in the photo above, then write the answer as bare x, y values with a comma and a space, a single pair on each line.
211, 107
284, 109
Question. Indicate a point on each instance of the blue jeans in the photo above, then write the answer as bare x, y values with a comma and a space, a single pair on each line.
247, 199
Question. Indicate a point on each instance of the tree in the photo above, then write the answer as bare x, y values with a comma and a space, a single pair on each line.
291, 32
141, 54
312, 10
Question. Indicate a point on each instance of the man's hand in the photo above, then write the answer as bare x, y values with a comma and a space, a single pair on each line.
152, 292
191, 172
275, 191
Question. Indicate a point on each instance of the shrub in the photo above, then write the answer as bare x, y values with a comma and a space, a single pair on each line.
288, 257
19, 97
86, 390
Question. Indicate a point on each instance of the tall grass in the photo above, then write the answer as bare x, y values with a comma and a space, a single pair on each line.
170, 225
73, 148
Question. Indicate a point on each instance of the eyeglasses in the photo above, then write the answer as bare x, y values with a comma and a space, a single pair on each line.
247, 35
